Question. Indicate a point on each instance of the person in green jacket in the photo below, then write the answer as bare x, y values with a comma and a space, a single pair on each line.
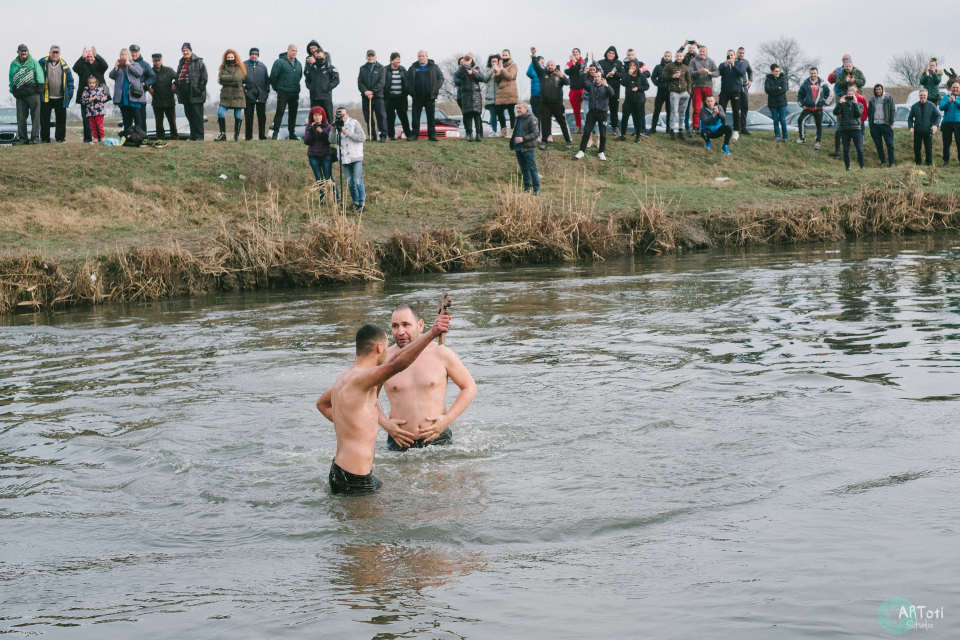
27, 84
930, 80
285, 80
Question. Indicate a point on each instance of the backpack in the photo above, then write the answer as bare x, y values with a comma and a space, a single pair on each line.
134, 136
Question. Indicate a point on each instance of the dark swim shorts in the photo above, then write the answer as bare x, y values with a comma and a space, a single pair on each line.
445, 437
350, 483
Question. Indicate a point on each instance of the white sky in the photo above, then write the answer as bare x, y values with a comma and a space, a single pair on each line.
871, 31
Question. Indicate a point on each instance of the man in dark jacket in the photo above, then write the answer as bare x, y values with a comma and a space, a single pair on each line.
612, 70
27, 86
775, 86
256, 90
850, 111
599, 96
662, 100
747, 84
191, 85
90, 64
634, 100
58, 92
148, 77
395, 90
285, 78
882, 113
424, 80
812, 97
322, 78
371, 80
732, 74
523, 141
164, 101
923, 121
552, 82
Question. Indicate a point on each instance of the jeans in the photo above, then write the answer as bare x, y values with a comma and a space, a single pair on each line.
857, 138
397, 109
576, 103
380, 113
634, 109
724, 131
549, 112
171, 114
779, 115
260, 109
354, 172
662, 101
222, 113
323, 171
194, 111
951, 132
503, 109
594, 119
288, 102
882, 133
132, 116
678, 104
59, 109
431, 108
699, 97
528, 168
925, 139
29, 105
817, 119
492, 110
734, 98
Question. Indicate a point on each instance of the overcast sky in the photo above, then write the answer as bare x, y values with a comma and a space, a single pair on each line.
871, 31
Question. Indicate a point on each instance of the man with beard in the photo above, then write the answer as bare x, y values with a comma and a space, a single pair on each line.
418, 411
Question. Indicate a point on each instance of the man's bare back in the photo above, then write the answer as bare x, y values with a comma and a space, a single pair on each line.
418, 410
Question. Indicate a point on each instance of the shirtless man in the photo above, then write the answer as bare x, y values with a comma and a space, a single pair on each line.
418, 408
351, 404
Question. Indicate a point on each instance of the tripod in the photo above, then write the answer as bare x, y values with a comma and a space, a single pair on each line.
340, 195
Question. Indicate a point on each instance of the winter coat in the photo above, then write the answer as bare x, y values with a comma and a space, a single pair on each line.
387, 87
231, 86
712, 122
931, 82
923, 117
318, 142
490, 92
285, 75
133, 74
197, 91
149, 77
551, 86
676, 85
640, 82
256, 88
93, 101
351, 142
436, 80
163, 95
527, 128
507, 81
26, 79
534, 77
749, 76
703, 80
322, 78
575, 71
471, 98
776, 89
950, 110
372, 79
805, 94
841, 83
84, 70
731, 77
889, 109
615, 66
598, 96
657, 77
68, 87
850, 114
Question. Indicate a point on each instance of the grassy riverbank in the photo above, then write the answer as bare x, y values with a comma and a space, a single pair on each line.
150, 223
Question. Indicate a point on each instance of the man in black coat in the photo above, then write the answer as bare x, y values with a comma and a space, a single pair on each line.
612, 71
552, 81
395, 92
256, 90
89, 64
662, 99
321, 77
191, 85
424, 80
164, 100
371, 80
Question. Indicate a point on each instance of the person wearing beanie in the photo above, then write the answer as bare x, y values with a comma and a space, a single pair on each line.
231, 78
191, 85
57, 95
882, 113
321, 77
256, 90
27, 86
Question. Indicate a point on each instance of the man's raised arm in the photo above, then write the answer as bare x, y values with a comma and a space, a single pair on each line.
376, 376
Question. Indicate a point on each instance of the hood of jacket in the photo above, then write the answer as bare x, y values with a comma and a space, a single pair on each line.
313, 43
609, 49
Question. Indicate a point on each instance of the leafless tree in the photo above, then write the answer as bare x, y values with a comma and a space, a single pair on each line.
448, 66
787, 53
906, 67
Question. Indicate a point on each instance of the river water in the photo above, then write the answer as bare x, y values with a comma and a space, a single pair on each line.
729, 444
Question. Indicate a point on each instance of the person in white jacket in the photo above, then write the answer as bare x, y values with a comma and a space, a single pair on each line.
350, 154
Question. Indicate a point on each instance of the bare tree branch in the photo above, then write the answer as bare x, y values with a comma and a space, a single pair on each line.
448, 92
905, 68
787, 53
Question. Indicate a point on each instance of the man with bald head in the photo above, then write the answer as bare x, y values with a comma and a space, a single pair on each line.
424, 80
552, 81
285, 80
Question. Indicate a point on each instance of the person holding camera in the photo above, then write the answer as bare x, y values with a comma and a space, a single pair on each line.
747, 84
599, 95
950, 107
732, 74
320, 154
350, 137
321, 77
128, 92
471, 97
490, 93
505, 75
552, 81
923, 121
850, 110
523, 141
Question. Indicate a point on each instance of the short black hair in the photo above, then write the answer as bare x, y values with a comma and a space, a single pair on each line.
814, 69
368, 337
394, 56
408, 307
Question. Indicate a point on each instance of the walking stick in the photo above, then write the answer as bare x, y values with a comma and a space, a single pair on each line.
443, 309
370, 124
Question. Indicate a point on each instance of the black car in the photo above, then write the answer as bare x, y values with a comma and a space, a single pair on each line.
8, 126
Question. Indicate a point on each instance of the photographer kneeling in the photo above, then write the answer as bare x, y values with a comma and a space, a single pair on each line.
350, 138
319, 152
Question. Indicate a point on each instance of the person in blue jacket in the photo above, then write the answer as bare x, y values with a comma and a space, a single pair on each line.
713, 124
535, 102
950, 125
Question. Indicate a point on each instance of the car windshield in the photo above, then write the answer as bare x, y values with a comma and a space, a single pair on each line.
437, 114
301, 118
903, 113
8, 115
754, 118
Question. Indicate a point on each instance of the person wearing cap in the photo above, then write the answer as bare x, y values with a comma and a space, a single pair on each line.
56, 96
256, 90
148, 76
90, 64
191, 87
27, 86
321, 77
285, 79
371, 81
164, 100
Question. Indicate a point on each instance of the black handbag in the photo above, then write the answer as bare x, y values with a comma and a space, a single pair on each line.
136, 92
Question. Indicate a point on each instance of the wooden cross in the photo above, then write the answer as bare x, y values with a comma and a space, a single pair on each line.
443, 309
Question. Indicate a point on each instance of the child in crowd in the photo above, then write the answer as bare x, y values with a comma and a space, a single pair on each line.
93, 98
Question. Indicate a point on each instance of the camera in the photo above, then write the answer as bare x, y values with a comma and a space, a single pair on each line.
691, 42
338, 122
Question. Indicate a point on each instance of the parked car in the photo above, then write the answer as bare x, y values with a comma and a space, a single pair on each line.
8, 126
183, 127
903, 113
756, 121
443, 130
829, 122
792, 108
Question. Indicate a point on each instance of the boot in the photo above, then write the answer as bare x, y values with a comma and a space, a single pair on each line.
236, 130
223, 130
